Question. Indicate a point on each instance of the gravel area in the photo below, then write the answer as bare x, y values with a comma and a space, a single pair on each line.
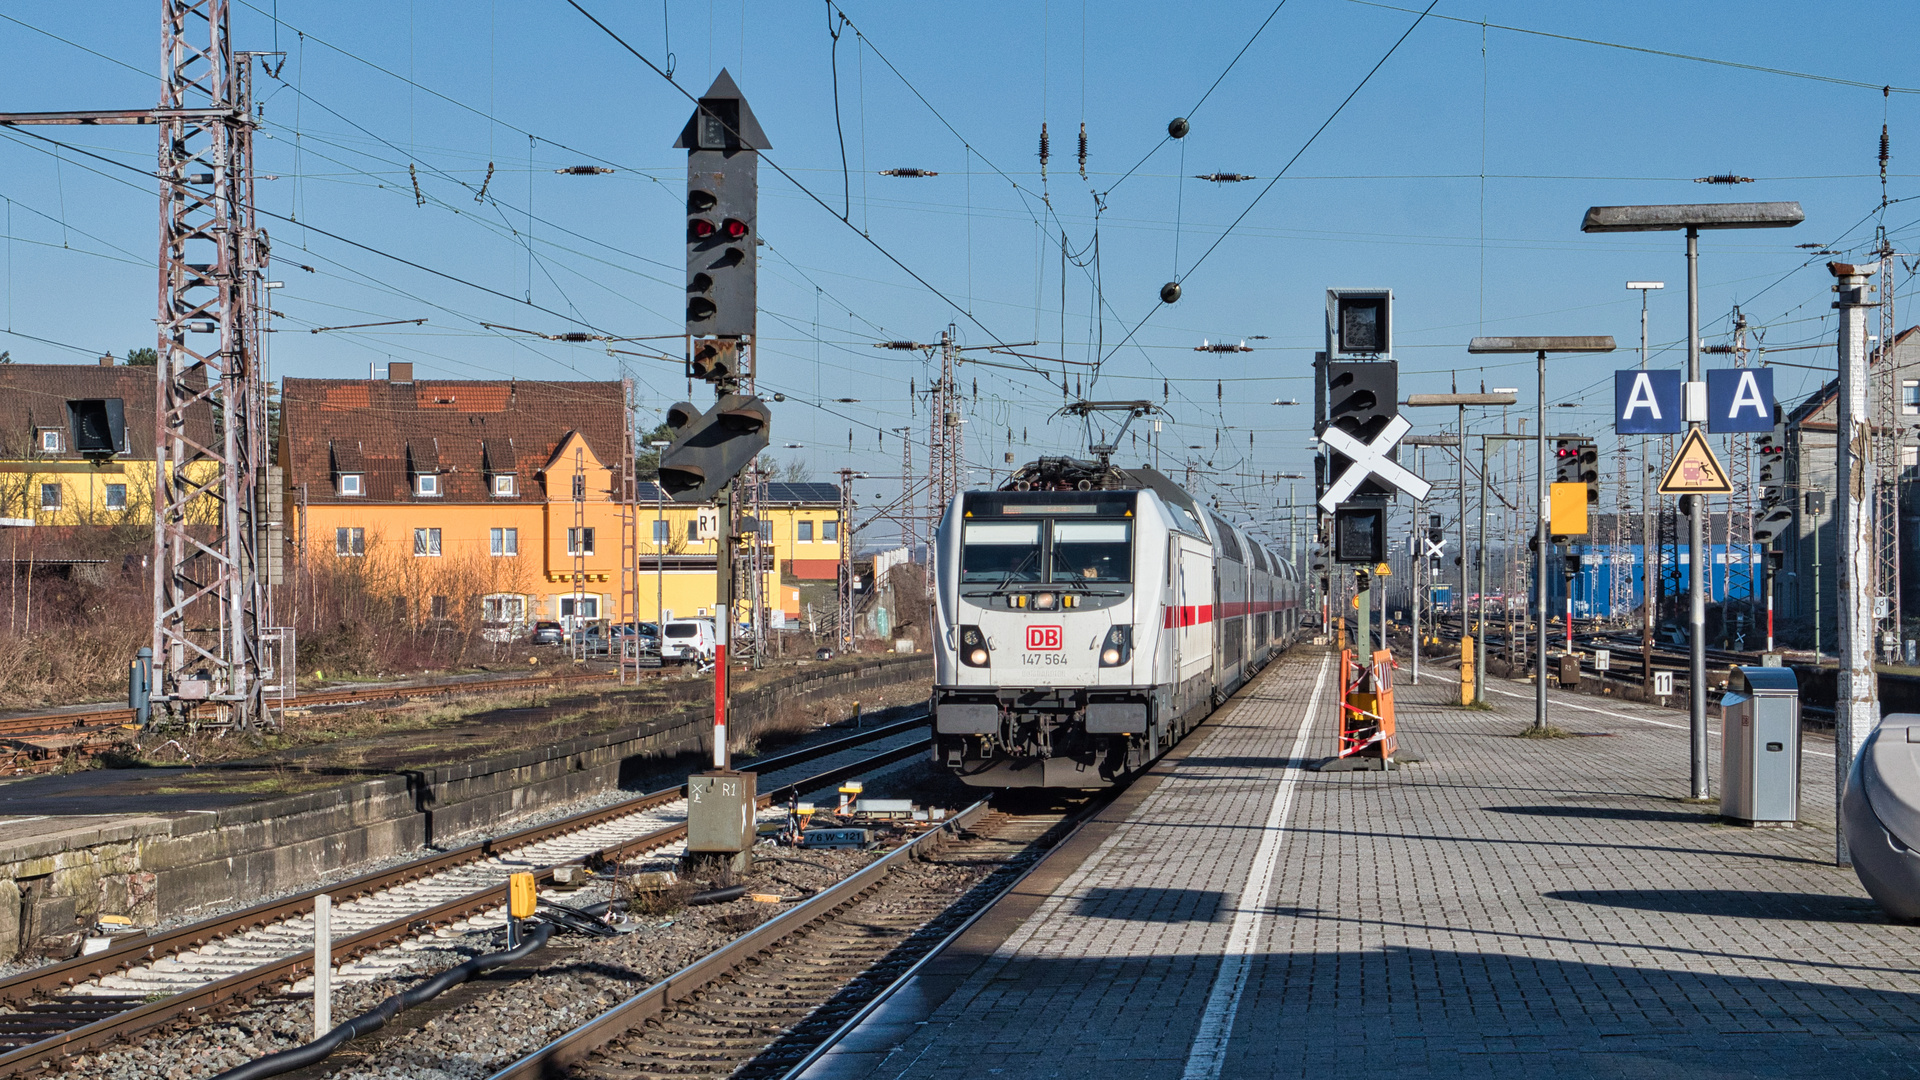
507, 1012
670, 771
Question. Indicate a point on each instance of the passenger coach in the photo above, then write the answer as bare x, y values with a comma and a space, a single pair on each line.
1086, 626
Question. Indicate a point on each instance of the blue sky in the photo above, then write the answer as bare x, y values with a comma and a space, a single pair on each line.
1457, 176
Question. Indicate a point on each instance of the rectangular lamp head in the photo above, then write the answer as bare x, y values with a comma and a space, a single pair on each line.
1646, 284
1495, 398
1593, 343
1764, 215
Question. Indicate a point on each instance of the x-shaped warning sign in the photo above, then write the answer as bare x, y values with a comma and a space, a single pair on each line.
1370, 459
1434, 547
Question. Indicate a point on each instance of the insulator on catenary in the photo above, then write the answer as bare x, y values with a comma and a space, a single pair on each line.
1083, 149
1045, 150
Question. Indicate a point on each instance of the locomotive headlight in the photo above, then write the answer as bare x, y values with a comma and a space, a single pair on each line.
973, 647
1044, 601
1117, 648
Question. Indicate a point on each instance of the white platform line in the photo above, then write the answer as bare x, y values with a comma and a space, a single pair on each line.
1711, 734
1209, 1052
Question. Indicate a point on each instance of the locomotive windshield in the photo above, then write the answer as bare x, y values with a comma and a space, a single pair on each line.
1060, 537
1092, 551
1000, 552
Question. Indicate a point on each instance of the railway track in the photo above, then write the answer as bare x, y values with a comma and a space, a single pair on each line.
140, 984
37, 741
762, 1006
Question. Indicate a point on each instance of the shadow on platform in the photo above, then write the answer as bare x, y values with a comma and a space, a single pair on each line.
1610, 813
1731, 903
1142, 904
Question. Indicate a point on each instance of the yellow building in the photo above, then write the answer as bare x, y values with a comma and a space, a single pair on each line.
499, 502
76, 443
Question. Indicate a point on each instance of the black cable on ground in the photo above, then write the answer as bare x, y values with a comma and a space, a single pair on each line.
377, 1017
717, 896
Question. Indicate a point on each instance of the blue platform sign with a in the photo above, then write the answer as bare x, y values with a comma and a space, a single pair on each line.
1647, 403
1740, 399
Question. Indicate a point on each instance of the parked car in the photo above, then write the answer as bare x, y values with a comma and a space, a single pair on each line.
648, 635
547, 633
500, 633
691, 640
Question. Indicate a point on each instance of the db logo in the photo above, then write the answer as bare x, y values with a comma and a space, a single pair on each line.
1043, 638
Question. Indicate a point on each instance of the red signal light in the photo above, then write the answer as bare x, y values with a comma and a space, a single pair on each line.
734, 228
700, 228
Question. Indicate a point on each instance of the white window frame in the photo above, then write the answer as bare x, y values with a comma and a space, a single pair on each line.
503, 542
510, 608
58, 491
50, 441
107, 497
1909, 390
803, 532
506, 486
830, 531
564, 601
350, 485
426, 543
427, 485
575, 538
662, 532
349, 542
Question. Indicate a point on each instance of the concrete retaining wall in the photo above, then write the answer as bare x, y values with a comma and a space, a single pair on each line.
152, 868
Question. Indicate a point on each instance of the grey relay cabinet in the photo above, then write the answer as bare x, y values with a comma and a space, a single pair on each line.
1760, 746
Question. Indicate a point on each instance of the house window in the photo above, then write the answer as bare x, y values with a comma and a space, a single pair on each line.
439, 605
503, 541
1909, 462
830, 531
349, 542
116, 496
1910, 397
426, 541
350, 484
504, 609
693, 530
503, 486
49, 496
427, 485
589, 607
580, 541
662, 531
766, 532
50, 441
579, 487
803, 532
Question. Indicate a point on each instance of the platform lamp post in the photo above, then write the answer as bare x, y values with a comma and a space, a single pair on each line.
1694, 217
1540, 347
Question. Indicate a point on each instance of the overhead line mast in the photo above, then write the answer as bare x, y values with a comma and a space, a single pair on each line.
211, 609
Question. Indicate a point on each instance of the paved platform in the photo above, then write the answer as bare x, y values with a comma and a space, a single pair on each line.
1505, 907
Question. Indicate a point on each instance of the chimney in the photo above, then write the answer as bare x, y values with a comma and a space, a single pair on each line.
107, 360
399, 372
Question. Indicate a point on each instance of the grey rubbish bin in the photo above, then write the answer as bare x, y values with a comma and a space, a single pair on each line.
1760, 747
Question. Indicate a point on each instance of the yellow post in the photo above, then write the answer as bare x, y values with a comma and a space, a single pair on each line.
1467, 674
522, 896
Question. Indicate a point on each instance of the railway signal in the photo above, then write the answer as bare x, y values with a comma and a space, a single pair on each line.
722, 140
709, 449
1776, 510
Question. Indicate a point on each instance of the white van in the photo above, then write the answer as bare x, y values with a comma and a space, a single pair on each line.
690, 640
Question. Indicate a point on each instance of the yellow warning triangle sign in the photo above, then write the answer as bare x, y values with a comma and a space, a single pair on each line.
1695, 471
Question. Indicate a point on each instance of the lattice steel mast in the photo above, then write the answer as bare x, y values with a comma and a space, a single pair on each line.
209, 605
944, 442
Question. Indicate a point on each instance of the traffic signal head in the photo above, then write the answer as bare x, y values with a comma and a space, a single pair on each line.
1359, 322
721, 139
710, 449
1586, 469
1564, 459
1771, 523
1362, 397
1359, 535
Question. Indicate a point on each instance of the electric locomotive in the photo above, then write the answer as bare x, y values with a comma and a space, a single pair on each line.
1088, 617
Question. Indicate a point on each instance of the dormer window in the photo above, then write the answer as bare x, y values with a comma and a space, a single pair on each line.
350, 484
427, 485
505, 486
50, 441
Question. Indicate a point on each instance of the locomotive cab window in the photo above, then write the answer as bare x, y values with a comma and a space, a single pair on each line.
998, 552
1092, 551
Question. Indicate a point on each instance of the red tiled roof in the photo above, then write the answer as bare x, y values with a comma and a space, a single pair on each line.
35, 396
464, 430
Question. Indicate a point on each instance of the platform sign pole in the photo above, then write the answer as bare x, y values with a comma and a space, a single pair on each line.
1540, 556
